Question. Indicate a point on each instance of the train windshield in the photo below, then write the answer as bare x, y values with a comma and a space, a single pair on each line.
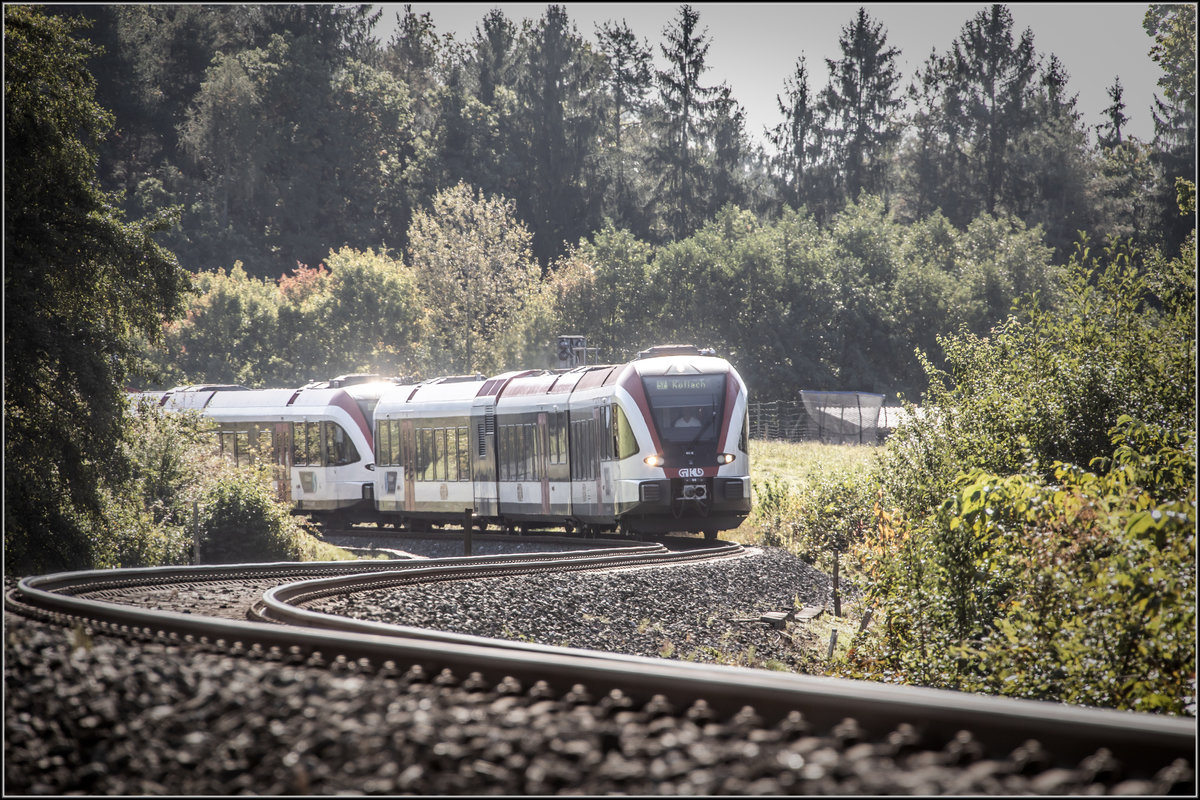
686, 408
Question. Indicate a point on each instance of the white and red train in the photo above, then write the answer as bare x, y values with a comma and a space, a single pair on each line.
655, 445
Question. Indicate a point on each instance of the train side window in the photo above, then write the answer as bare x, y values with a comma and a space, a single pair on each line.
502, 452
312, 438
339, 450
464, 454
298, 447
624, 442
442, 471
531, 447
383, 445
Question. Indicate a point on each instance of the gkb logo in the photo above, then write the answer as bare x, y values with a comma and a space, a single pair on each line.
691, 472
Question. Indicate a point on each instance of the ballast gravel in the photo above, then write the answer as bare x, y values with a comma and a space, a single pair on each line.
98, 715
707, 612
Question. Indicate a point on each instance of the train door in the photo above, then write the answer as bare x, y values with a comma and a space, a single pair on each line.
603, 494
483, 459
408, 461
281, 459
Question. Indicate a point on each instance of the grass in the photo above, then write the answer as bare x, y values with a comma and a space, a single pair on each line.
803, 467
800, 464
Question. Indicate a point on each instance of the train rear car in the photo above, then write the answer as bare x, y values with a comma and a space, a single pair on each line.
317, 440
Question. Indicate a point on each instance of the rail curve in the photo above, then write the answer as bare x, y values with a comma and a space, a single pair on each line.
1143, 742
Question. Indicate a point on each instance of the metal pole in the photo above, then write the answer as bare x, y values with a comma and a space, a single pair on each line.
837, 601
467, 532
196, 530
858, 402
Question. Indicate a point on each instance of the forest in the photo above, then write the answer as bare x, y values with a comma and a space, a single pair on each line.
427, 206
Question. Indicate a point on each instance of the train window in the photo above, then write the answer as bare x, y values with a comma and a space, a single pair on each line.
464, 454
608, 433
502, 451
312, 438
431, 453
383, 443
298, 446
583, 449
563, 440
531, 452
624, 443
339, 450
443, 461
686, 409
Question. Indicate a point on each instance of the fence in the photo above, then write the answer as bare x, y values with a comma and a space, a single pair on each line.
833, 417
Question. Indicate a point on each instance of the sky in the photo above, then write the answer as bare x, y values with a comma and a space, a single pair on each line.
754, 46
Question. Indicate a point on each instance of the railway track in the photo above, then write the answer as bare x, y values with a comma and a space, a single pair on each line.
276, 625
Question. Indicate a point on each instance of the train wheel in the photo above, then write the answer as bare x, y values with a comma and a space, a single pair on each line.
710, 535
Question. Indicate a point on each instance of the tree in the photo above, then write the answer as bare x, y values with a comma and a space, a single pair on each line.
476, 270
728, 154
629, 76
79, 282
686, 105
559, 126
1173, 28
859, 106
1108, 134
797, 140
993, 77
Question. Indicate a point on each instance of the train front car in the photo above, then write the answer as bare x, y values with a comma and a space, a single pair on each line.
693, 472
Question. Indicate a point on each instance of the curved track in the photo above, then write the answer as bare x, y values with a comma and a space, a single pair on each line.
1144, 743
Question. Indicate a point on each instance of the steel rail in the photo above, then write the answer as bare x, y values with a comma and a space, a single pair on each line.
101, 580
280, 603
1001, 724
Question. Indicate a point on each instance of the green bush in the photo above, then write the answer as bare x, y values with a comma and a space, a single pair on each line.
1045, 387
828, 512
1080, 588
241, 521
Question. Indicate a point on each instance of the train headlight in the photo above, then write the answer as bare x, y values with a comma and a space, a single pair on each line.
655, 461
725, 458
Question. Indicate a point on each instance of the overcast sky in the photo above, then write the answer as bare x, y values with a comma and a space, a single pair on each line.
754, 46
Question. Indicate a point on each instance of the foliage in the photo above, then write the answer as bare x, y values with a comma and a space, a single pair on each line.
149, 520
80, 281
810, 498
1045, 385
242, 521
1079, 588
476, 272
1173, 28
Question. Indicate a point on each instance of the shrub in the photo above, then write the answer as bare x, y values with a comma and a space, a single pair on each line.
241, 521
1045, 387
1081, 588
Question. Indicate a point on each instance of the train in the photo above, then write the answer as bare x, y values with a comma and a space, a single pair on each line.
653, 446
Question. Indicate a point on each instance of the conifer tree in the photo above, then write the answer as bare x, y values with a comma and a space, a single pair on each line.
687, 105
859, 107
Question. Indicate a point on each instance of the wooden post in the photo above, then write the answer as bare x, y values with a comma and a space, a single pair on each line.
837, 601
467, 524
832, 644
196, 530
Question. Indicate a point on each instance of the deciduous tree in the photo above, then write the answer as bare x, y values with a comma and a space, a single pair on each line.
79, 281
